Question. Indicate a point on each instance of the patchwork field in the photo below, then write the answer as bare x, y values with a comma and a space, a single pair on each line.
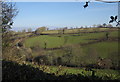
76, 49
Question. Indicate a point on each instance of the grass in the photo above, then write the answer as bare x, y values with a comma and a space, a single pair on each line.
104, 73
50, 32
40, 40
115, 34
102, 49
55, 41
87, 54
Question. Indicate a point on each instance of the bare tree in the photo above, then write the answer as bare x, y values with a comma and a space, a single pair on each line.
9, 11
29, 30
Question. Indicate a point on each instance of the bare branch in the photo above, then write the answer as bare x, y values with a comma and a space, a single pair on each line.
9, 11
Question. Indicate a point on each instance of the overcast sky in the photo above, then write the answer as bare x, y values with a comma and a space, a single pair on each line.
62, 14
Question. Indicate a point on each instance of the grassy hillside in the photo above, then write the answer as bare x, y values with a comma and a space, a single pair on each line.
60, 40
76, 49
103, 49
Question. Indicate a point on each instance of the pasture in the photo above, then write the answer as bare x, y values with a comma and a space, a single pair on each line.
76, 49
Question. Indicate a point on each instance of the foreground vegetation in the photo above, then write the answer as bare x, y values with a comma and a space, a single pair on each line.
26, 71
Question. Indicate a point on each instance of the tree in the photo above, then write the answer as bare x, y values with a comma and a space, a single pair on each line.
60, 31
94, 25
68, 55
78, 30
29, 30
107, 35
45, 45
109, 25
104, 25
40, 30
59, 60
9, 11
99, 26
47, 28
23, 30
63, 30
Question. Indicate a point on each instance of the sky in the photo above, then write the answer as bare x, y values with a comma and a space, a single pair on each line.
62, 14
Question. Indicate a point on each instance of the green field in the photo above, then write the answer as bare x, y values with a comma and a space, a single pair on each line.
55, 41
80, 55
